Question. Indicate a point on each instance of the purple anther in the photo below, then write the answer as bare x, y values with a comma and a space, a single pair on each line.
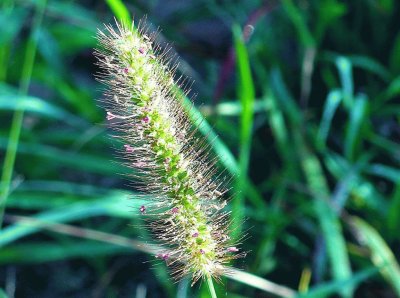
202, 251
126, 70
232, 249
139, 164
129, 148
110, 116
195, 234
146, 119
163, 256
141, 50
142, 209
175, 210
167, 160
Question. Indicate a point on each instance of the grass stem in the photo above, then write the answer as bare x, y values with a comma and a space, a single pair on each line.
210, 285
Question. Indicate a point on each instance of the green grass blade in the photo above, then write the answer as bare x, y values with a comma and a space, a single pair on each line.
330, 288
285, 99
381, 255
345, 69
39, 106
371, 65
34, 253
331, 104
393, 216
120, 11
245, 93
299, 23
220, 148
353, 133
76, 160
116, 205
327, 217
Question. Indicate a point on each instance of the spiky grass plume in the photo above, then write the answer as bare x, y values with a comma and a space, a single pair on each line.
168, 157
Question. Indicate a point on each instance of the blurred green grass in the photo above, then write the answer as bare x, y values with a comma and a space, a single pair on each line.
308, 126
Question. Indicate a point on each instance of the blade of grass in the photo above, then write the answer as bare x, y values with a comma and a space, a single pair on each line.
245, 93
345, 70
381, 255
331, 104
42, 252
16, 125
328, 219
116, 205
353, 133
261, 284
330, 288
210, 285
362, 190
120, 11
78, 160
393, 216
37, 105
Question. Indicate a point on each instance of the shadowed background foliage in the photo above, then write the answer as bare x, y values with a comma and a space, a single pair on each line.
304, 95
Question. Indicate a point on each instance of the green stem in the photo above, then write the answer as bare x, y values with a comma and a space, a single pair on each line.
18, 117
211, 287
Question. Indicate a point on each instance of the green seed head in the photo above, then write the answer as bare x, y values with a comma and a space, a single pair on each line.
171, 160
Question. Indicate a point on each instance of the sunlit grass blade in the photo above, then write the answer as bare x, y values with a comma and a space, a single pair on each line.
381, 254
245, 92
345, 69
120, 11
331, 104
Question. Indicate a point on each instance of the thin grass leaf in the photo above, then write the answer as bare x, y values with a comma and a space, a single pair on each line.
384, 171
42, 252
381, 255
77, 160
353, 133
331, 104
285, 99
39, 106
371, 65
327, 217
330, 288
393, 216
363, 192
112, 206
299, 22
120, 11
245, 93
345, 70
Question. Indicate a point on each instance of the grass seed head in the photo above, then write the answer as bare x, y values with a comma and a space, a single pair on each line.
161, 144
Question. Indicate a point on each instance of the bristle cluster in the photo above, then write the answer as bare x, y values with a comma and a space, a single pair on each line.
167, 156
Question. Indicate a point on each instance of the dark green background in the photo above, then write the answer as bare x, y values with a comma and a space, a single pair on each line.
307, 112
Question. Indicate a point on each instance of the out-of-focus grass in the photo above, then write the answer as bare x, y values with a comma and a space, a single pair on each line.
308, 125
